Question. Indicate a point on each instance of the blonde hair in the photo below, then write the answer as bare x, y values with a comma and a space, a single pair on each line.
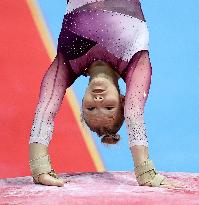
108, 136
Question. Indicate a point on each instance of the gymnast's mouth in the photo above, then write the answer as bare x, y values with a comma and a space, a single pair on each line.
98, 90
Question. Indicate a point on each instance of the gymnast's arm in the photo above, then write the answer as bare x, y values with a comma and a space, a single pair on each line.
56, 80
138, 82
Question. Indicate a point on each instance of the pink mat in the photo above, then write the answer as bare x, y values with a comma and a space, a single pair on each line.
106, 188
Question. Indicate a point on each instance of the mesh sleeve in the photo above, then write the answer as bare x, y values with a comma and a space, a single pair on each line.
56, 80
138, 82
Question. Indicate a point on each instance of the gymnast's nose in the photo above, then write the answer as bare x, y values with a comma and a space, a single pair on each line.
98, 98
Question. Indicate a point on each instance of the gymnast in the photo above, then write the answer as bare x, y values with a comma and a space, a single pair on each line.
105, 40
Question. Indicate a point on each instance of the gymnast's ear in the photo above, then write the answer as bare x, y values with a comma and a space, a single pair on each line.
122, 99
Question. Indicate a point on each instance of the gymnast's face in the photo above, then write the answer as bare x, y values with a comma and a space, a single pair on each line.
102, 106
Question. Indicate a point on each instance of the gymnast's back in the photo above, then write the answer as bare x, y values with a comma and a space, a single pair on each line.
109, 30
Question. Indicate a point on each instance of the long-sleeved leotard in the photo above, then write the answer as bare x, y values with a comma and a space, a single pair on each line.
113, 31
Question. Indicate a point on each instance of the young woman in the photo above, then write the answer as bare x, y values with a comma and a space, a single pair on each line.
105, 40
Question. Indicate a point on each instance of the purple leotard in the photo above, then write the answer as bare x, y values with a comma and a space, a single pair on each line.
111, 30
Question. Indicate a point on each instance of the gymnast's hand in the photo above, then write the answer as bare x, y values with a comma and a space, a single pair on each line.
39, 160
172, 184
48, 180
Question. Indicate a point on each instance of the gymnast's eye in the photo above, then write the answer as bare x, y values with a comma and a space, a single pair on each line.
90, 108
109, 108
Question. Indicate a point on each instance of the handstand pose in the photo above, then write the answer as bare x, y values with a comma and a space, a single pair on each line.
105, 40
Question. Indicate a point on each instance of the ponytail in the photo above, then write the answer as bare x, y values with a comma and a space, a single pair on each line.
110, 138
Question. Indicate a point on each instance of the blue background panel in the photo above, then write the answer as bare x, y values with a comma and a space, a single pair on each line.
172, 108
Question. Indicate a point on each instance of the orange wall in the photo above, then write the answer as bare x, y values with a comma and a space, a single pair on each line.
24, 59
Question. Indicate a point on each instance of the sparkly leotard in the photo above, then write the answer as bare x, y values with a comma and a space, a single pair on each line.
114, 31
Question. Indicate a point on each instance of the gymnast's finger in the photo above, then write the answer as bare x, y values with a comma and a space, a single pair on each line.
48, 180
172, 184
66, 180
